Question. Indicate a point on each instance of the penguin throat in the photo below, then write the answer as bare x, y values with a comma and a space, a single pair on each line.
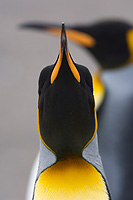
73, 178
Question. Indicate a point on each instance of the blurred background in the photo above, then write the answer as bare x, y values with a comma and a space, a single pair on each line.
22, 56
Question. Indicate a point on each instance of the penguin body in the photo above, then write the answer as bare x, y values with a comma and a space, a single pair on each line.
70, 166
116, 131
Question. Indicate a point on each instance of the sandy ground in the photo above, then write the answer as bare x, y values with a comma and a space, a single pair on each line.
22, 56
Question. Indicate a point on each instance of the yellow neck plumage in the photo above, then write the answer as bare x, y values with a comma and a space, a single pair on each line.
71, 179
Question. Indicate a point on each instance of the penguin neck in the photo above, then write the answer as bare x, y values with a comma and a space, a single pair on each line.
72, 178
68, 157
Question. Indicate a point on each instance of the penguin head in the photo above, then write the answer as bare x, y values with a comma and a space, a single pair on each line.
67, 116
114, 42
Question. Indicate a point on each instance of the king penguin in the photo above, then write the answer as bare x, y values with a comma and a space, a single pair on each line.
70, 167
111, 43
